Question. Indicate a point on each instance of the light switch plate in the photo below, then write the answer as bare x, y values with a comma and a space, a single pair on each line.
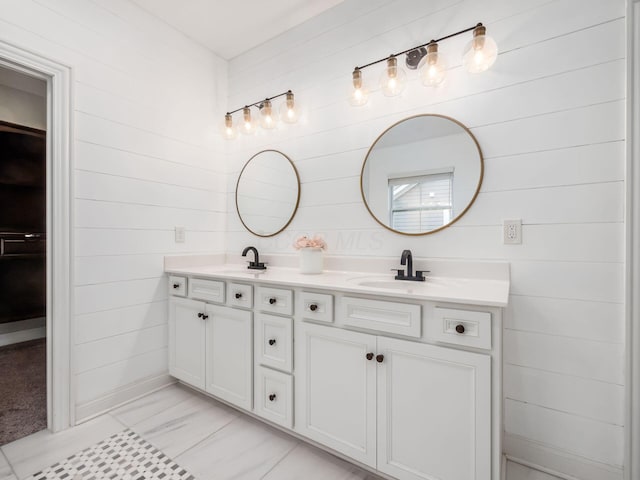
512, 232
180, 234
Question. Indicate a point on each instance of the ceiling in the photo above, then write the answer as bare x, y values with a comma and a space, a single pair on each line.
231, 27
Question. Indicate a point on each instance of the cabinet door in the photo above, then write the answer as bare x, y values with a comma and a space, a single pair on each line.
230, 355
335, 385
434, 412
187, 341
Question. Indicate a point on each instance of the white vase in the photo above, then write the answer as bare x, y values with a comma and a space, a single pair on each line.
311, 260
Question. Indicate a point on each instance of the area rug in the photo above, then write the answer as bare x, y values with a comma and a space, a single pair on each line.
123, 456
23, 389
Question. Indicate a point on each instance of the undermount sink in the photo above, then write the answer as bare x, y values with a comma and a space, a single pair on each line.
385, 282
393, 284
240, 272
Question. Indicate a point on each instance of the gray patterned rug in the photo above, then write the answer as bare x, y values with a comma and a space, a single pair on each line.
123, 456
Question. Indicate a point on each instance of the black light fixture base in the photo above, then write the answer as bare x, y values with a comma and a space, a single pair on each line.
414, 57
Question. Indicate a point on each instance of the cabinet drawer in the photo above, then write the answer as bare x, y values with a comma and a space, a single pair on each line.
316, 306
240, 295
274, 396
274, 341
209, 290
391, 317
177, 285
274, 300
460, 327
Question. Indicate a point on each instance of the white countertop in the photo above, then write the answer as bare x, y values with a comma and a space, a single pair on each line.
476, 291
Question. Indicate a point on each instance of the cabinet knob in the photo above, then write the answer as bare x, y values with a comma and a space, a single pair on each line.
272, 341
176, 285
369, 356
460, 328
272, 397
313, 307
200, 314
272, 300
205, 316
380, 358
238, 295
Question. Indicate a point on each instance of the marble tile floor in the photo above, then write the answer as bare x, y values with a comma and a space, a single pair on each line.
209, 439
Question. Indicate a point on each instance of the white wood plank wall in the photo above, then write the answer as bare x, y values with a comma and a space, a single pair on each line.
549, 118
148, 158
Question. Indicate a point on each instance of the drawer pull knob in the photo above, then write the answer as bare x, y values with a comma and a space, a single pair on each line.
272, 397
460, 328
272, 341
200, 314
380, 358
272, 300
313, 307
176, 285
238, 295
369, 356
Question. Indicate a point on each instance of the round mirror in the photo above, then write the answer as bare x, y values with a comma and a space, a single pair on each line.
421, 174
267, 193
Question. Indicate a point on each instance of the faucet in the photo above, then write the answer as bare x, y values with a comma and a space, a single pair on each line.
407, 259
256, 264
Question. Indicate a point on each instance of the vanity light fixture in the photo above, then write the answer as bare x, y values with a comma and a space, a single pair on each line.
478, 55
267, 118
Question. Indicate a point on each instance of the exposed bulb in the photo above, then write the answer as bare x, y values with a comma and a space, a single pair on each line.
288, 112
432, 68
267, 118
228, 130
481, 52
393, 79
247, 126
359, 95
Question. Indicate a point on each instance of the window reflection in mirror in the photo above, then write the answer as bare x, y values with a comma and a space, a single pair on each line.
421, 174
267, 193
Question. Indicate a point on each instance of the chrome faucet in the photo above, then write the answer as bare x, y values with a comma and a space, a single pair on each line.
407, 259
256, 264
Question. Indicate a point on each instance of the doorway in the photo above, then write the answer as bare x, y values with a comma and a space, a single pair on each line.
58, 226
23, 276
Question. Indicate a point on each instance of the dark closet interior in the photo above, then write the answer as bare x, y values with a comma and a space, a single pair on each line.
23, 280
22, 223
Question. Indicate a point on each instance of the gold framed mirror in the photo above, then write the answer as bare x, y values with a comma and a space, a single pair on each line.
267, 193
421, 174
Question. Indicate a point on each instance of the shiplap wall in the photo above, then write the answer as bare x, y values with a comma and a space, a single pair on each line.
147, 159
549, 117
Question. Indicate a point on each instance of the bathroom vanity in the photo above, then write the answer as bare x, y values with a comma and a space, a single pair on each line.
403, 377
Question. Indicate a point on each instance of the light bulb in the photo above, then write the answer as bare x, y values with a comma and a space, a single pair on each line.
228, 130
267, 119
247, 126
432, 68
481, 52
393, 78
288, 111
359, 95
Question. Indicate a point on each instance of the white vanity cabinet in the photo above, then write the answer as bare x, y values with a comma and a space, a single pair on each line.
414, 411
211, 348
410, 387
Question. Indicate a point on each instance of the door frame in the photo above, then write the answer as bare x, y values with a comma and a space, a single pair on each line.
632, 266
60, 388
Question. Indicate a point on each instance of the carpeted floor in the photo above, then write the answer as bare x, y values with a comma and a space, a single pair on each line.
23, 389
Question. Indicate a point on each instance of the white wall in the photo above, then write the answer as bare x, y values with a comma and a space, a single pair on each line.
549, 118
147, 158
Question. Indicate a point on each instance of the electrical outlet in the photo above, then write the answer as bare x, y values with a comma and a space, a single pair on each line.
512, 232
180, 234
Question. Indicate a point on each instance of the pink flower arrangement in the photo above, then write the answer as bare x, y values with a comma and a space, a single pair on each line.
306, 242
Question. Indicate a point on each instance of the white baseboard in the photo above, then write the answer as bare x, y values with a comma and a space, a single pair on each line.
92, 409
23, 331
556, 462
